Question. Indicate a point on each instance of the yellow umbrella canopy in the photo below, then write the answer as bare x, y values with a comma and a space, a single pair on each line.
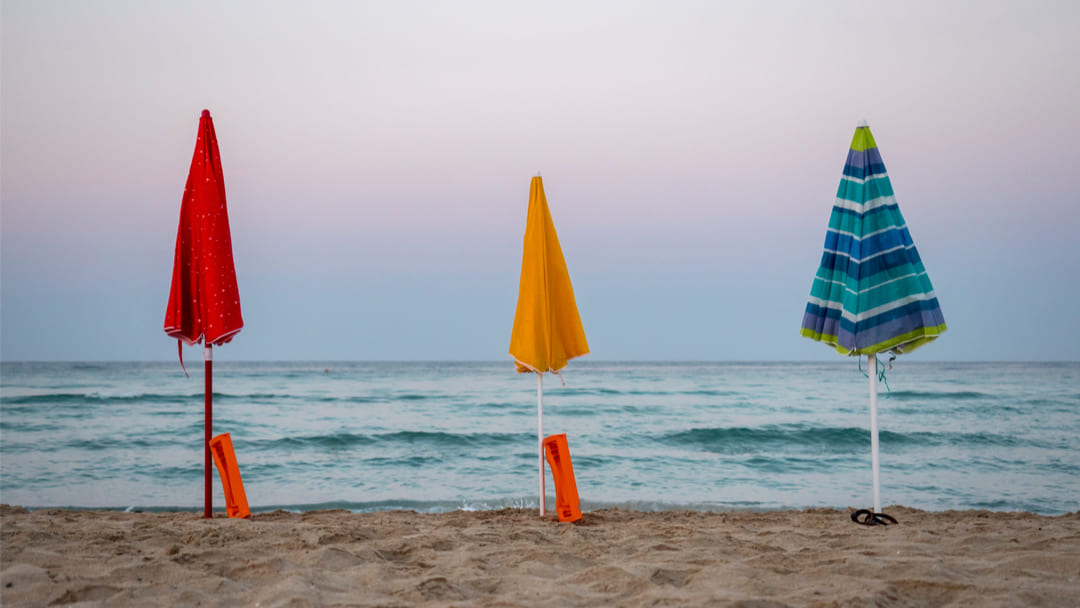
547, 328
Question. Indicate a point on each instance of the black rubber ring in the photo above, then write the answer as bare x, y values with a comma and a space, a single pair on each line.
866, 517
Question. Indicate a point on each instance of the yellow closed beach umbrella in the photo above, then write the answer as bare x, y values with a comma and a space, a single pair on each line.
547, 328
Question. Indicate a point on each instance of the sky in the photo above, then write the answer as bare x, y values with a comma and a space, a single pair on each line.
377, 160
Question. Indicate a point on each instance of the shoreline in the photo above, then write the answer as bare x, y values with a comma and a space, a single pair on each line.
446, 507
512, 557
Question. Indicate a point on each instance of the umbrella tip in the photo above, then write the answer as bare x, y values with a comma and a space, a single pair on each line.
862, 123
537, 173
206, 113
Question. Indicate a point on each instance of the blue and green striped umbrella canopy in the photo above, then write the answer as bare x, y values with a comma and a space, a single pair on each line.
871, 293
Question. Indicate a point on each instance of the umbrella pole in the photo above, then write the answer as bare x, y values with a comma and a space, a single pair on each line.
208, 359
540, 435
872, 364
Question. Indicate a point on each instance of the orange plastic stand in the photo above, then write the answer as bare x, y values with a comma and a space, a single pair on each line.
567, 503
235, 500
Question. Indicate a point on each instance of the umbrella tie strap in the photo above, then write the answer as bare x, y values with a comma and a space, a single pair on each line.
180, 353
559, 376
880, 371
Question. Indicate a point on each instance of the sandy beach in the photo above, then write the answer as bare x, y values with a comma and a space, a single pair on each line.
513, 558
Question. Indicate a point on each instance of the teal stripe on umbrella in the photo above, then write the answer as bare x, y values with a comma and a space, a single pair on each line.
871, 293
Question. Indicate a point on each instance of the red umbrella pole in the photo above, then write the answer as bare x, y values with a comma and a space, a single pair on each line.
209, 363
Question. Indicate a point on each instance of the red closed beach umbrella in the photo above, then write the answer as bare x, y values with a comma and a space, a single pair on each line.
204, 303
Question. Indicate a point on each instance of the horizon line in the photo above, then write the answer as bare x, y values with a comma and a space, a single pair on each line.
510, 361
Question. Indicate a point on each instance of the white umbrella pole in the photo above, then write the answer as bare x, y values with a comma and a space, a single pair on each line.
872, 362
540, 434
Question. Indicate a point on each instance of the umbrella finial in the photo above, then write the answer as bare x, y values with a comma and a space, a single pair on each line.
537, 173
862, 123
206, 113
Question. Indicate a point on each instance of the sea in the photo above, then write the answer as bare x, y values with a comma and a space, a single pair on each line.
442, 436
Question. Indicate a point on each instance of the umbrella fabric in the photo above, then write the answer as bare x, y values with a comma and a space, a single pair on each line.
204, 303
547, 328
871, 293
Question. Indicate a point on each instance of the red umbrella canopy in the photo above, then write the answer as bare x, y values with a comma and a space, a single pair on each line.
204, 303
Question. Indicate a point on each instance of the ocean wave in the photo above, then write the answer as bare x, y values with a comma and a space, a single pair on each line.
709, 392
414, 397
414, 461
9, 426
610, 392
344, 440
937, 395
94, 398
192, 472
106, 441
832, 439
746, 439
787, 465
97, 398
113, 442
606, 409
333, 441
592, 391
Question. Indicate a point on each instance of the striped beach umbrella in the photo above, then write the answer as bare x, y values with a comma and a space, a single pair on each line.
871, 293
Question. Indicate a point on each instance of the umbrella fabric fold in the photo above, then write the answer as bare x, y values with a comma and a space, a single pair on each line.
871, 293
204, 302
547, 328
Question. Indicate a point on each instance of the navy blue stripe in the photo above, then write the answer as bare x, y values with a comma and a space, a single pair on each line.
881, 263
922, 306
865, 248
826, 322
831, 318
916, 318
820, 312
819, 324
862, 163
863, 172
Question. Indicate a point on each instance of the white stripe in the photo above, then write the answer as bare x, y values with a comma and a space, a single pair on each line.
873, 203
833, 305
865, 179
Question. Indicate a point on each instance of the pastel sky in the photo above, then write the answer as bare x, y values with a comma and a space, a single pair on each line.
377, 159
